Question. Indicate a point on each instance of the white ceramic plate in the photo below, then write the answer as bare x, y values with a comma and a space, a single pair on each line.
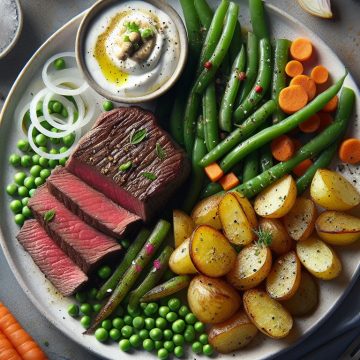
42, 293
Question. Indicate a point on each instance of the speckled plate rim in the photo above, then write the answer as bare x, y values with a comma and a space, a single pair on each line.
16, 272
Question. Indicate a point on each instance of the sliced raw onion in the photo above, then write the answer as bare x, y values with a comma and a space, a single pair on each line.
22, 113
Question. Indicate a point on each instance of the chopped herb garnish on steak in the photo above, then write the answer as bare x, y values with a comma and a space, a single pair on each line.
137, 137
160, 152
125, 166
49, 215
149, 175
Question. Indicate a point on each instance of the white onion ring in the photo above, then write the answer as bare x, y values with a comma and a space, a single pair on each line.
21, 117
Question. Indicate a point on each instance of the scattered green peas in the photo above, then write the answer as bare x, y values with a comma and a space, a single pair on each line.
23, 145
63, 161
144, 334
155, 334
171, 316
189, 334
208, 350
19, 178
45, 173
35, 159
169, 346
108, 105
151, 309
14, 159
85, 321
39, 181
199, 326
54, 140
35, 170
178, 339
115, 334
104, 272
163, 311
138, 322
43, 162
183, 311
107, 324
149, 323
148, 345
26, 161
161, 323
29, 182
190, 318
92, 293
19, 219
125, 244
135, 340
26, 212
126, 331
40, 140
23, 191
53, 163
197, 347
174, 304
11, 189
73, 310
16, 206
63, 149
59, 64
97, 308
43, 148
168, 334
81, 296
65, 113
118, 323
25, 201
57, 107
158, 345
124, 345
128, 320
86, 309
163, 354
178, 326
68, 140
32, 192
101, 334
133, 311
143, 305
179, 351
203, 338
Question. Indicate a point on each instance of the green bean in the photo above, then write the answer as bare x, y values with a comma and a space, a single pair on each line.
279, 76
153, 277
133, 272
130, 255
211, 189
169, 287
252, 55
208, 73
236, 43
232, 87
190, 117
213, 35
258, 21
322, 161
265, 136
176, 122
262, 83
317, 144
266, 158
210, 117
243, 131
251, 166
197, 176
200, 128
204, 13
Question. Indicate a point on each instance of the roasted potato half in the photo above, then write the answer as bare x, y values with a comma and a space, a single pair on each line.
284, 278
338, 228
180, 262
233, 334
183, 226
281, 242
247, 208
306, 297
206, 212
300, 220
276, 200
211, 252
212, 300
235, 223
267, 314
252, 266
318, 258
332, 191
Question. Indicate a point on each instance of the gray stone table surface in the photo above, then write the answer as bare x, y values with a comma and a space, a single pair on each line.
41, 19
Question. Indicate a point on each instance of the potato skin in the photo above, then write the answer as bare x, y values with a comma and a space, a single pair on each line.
206, 212
212, 300
232, 334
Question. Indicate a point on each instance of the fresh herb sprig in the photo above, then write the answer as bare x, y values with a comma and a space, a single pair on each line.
264, 239
49, 215
160, 151
136, 137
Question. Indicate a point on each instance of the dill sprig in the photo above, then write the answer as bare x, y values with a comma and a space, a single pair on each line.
264, 239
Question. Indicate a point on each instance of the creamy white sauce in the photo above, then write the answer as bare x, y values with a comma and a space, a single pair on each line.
135, 78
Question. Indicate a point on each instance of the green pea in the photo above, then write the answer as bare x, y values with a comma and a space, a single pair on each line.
86, 309
179, 351
92, 293
107, 324
118, 323
73, 310
158, 344
208, 350
11, 189
59, 64
26, 212
135, 341
125, 244
174, 304
65, 114
101, 334
26, 161
178, 326
29, 182
43, 148
39, 181
68, 140
23, 191
53, 163
171, 316
126, 331
19, 178
168, 334
45, 173
203, 338
163, 354
144, 334
81, 296
19, 219
104, 272
57, 107
35, 170
197, 347
16, 206
43, 162
128, 320
35, 159
54, 140
163, 311
151, 309
189, 334
85, 321
133, 311
199, 326
190, 318
178, 339
14, 159
115, 334
183, 311
108, 105
155, 334
148, 345
40, 140
125, 345
161, 323
97, 308
149, 323
138, 322
46, 125
25, 201
63, 149
23, 145
32, 192
169, 346
63, 161
143, 305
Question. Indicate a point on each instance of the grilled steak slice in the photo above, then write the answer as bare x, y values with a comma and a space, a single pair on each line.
158, 166
86, 246
90, 205
57, 267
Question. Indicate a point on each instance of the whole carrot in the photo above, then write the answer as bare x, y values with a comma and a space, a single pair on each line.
7, 351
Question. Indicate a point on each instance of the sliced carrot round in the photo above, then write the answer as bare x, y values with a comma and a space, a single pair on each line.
292, 99
301, 49
320, 74
325, 120
301, 169
282, 148
307, 83
294, 68
310, 125
349, 151
331, 105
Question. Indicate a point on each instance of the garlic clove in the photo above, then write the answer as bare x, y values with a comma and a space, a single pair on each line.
320, 8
